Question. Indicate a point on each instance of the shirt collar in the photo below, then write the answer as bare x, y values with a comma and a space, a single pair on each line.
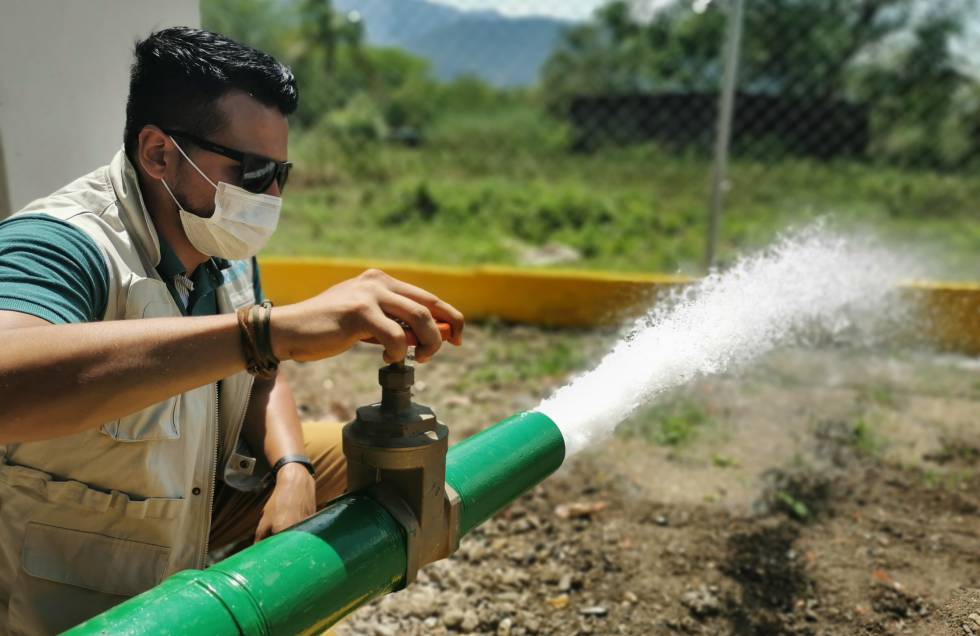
169, 265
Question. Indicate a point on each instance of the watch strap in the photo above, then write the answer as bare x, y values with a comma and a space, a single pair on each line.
291, 459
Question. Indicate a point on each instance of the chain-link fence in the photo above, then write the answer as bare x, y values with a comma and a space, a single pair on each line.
598, 133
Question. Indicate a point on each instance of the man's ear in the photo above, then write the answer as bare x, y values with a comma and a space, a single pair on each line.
154, 152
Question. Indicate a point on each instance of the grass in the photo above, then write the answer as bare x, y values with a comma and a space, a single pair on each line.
493, 187
723, 461
793, 505
950, 481
673, 424
519, 356
958, 452
864, 439
880, 394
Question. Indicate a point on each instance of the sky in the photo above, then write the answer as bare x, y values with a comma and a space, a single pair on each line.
568, 9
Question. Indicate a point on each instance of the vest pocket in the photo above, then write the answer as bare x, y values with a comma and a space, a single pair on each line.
152, 423
68, 576
69, 551
92, 561
148, 298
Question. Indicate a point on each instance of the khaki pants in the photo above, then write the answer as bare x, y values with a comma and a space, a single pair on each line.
237, 514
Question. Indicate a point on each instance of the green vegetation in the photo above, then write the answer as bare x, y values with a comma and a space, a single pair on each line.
881, 393
949, 481
958, 451
521, 357
864, 438
793, 505
722, 461
674, 424
462, 198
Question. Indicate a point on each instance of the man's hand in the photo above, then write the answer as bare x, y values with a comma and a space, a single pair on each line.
293, 499
363, 307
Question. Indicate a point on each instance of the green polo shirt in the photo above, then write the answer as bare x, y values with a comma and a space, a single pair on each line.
53, 270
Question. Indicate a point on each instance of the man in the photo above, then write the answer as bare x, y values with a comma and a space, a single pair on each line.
143, 424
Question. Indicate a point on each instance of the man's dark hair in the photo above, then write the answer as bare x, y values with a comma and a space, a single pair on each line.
179, 74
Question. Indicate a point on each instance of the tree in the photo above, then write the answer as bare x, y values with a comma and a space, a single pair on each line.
789, 46
815, 50
923, 99
335, 70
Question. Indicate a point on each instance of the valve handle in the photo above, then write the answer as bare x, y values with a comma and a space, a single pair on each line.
445, 331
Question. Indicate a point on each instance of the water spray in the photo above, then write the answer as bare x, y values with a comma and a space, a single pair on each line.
811, 284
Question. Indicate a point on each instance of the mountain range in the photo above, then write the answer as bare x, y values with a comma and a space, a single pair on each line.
502, 50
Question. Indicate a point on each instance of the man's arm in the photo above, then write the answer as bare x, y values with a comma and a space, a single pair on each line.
57, 380
272, 424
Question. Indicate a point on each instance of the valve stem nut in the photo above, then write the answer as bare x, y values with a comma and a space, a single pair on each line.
396, 376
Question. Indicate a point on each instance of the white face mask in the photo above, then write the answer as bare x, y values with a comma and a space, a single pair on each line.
241, 224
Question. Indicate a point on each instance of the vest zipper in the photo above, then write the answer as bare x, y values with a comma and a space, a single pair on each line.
217, 458
211, 483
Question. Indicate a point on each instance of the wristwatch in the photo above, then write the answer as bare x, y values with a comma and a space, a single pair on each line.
290, 459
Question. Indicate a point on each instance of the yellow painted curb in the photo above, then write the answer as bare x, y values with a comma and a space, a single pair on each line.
575, 298
950, 314
543, 297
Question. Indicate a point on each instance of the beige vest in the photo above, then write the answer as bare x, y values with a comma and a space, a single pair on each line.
91, 519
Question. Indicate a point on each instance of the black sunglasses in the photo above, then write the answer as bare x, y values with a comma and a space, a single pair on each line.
258, 172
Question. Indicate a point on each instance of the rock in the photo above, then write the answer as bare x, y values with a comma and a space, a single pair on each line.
417, 604
550, 574
701, 602
470, 621
594, 610
580, 509
565, 583
558, 602
532, 624
514, 577
473, 551
975, 617
503, 627
384, 630
630, 597
452, 618
456, 401
661, 520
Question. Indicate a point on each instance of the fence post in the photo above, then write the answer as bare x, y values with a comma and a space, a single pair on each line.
723, 132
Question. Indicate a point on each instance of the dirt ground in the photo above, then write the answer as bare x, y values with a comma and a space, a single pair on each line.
820, 491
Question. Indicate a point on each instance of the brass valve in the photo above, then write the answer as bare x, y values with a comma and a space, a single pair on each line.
396, 450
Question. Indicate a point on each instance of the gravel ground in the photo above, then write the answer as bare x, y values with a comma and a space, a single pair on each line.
819, 492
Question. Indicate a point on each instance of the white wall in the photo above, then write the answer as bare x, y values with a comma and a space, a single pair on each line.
64, 76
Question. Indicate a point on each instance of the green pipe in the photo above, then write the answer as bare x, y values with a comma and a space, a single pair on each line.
305, 579
494, 467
